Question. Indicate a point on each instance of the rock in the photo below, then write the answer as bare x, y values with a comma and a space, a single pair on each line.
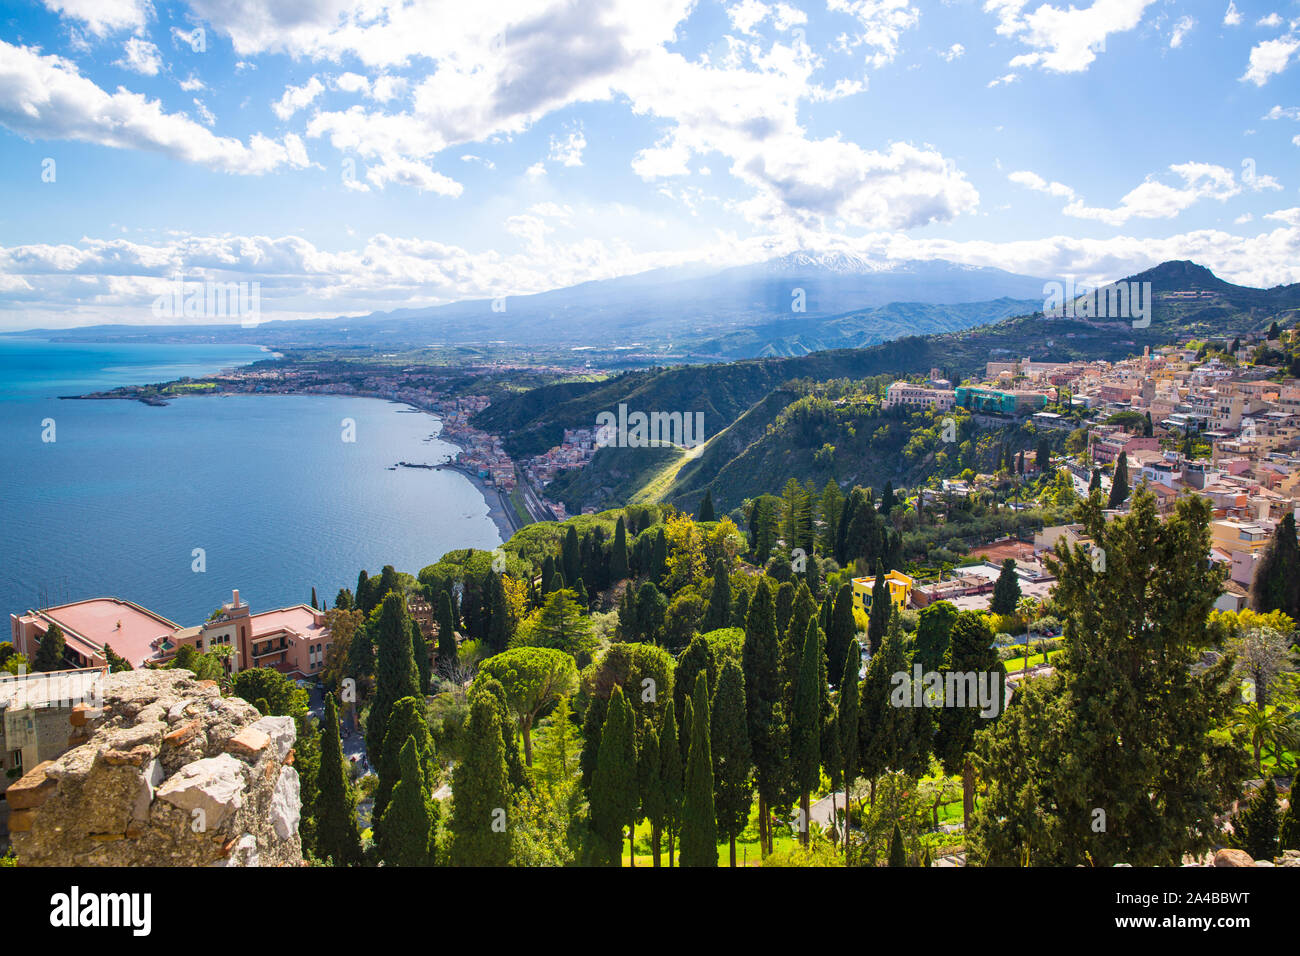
213, 786
281, 732
248, 742
1228, 857
286, 804
164, 746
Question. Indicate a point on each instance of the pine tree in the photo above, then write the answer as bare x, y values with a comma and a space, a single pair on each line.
1119, 484
404, 833
337, 838
719, 610
847, 725
614, 796
395, 673
806, 726
618, 556
832, 503
1007, 590
897, 852
733, 781
49, 653
480, 789
670, 777
1257, 825
699, 822
1277, 576
448, 650
706, 507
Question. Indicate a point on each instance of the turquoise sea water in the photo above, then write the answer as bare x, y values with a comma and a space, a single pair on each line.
264, 485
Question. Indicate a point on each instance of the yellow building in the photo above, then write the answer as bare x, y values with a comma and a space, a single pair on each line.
900, 590
1233, 535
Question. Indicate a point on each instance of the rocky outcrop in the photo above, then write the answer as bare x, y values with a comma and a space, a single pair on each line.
169, 773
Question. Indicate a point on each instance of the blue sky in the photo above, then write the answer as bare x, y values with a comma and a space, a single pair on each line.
353, 156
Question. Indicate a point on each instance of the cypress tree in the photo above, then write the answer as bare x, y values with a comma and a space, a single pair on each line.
648, 764
806, 726
1094, 484
395, 673
847, 725
970, 651
618, 556
614, 797
116, 662
1006, 593
706, 507
1119, 484
593, 722
480, 789
733, 782
448, 651
49, 653
420, 649
897, 853
699, 823
570, 555
1043, 456
659, 556
1277, 576
363, 583
1288, 834
405, 721
842, 629
1257, 825
719, 610
881, 608
336, 816
768, 730
670, 777
500, 625
313, 599
404, 833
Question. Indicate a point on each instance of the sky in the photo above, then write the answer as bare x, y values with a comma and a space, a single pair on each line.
359, 156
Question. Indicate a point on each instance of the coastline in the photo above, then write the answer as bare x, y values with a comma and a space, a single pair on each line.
499, 508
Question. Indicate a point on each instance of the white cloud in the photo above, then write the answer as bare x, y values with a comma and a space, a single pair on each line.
568, 151
1231, 17
1283, 112
1270, 57
1244, 218
953, 52
882, 22
205, 114
535, 171
103, 17
140, 56
116, 280
1181, 29
1003, 80
1154, 199
747, 14
45, 97
192, 84
1272, 20
296, 98
1064, 40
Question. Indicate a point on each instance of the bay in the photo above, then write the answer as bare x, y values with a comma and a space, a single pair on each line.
266, 487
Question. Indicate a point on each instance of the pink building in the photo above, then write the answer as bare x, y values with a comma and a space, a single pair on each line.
292, 640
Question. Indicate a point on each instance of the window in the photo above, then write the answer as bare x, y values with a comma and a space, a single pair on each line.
16, 761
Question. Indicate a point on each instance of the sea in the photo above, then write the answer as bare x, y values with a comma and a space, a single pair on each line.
173, 507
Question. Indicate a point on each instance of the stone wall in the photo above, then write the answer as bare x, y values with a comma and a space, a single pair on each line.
170, 773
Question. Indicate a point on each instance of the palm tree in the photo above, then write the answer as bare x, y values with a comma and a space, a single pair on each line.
1274, 728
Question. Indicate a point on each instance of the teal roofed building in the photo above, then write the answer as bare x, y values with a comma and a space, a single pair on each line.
998, 402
